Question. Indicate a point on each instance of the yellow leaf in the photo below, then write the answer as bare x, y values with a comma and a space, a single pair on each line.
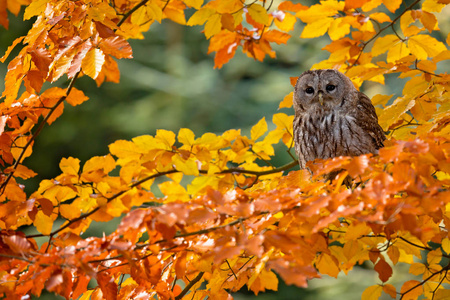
154, 11
173, 191
338, 29
371, 5
43, 223
188, 167
69, 211
70, 166
93, 62
201, 182
115, 207
397, 52
423, 46
394, 112
200, 16
383, 44
273, 137
213, 25
140, 16
263, 149
106, 163
287, 23
167, 137
186, 136
259, 129
317, 28
35, 8
442, 294
417, 269
446, 241
194, 3
18, 147
392, 5
175, 15
327, 265
283, 121
287, 101
432, 6
381, 99
434, 257
258, 13
124, 149
320, 11
372, 292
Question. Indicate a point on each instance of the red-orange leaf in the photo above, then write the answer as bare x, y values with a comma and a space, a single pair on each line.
116, 46
384, 270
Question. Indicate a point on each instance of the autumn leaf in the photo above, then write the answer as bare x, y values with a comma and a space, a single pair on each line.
372, 292
93, 62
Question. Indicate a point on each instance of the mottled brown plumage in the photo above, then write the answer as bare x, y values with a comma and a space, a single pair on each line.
332, 118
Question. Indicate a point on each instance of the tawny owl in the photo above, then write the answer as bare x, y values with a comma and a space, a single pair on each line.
332, 118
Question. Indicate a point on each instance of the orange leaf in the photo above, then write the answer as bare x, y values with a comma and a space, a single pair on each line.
392, 5
289, 6
352, 4
412, 288
76, 97
17, 244
358, 165
78, 58
107, 285
276, 36
390, 290
116, 46
10, 48
293, 80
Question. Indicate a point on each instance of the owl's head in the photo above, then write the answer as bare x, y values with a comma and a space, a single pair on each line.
326, 89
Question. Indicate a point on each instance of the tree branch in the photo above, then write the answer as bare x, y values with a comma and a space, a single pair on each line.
381, 30
190, 285
36, 133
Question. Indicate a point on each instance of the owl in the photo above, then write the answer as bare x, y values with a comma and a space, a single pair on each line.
332, 118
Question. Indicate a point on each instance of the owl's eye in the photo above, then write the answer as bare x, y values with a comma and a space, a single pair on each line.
330, 87
309, 90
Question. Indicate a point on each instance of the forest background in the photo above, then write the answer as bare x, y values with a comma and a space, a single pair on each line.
171, 83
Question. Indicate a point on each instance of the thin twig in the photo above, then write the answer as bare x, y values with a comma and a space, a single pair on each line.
125, 16
189, 286
36, 133
381, 30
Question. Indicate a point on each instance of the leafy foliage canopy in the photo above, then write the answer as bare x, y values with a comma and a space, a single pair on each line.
239, 219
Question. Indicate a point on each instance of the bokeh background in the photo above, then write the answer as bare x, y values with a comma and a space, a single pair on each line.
171, 83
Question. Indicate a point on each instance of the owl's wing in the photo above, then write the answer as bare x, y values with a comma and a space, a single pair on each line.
367, 119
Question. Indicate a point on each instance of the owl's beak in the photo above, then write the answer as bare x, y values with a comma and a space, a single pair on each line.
321, 97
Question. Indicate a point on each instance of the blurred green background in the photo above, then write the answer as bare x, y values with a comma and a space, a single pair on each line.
171, 84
